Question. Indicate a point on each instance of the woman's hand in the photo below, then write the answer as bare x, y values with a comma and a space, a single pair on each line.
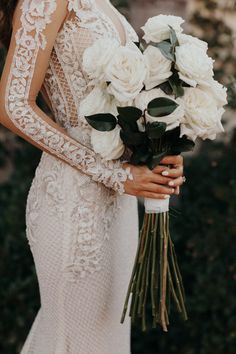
158, 183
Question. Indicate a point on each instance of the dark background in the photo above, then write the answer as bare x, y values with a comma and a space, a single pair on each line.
203, 218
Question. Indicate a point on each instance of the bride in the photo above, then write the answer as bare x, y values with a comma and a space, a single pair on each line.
81, 211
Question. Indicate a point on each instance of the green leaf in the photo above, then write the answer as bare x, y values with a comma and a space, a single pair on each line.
166, 87
172, 136
161, 107
155, 130
177, 87
133, 139
140, 157
129, 113
156, 159
173, 38
166, 49
176, 84
103, 122
140, 46
182, 145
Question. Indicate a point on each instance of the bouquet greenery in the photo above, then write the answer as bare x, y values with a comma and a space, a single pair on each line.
155, 100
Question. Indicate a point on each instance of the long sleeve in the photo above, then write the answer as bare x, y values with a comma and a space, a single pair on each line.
35, 27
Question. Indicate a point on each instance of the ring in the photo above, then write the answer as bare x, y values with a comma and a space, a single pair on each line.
184, 179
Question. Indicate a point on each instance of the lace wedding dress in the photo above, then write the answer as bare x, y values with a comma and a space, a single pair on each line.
81, 227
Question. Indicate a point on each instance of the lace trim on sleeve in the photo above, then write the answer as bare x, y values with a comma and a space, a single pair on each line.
34, 19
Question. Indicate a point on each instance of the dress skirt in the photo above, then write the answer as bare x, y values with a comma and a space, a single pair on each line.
83, 238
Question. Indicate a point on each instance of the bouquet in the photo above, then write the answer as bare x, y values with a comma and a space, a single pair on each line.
154, 98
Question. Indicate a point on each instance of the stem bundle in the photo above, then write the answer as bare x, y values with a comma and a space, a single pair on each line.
155, 275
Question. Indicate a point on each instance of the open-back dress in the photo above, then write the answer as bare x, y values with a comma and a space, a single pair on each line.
81, 227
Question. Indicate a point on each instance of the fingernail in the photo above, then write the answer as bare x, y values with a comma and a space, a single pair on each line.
171, 183
167, 196
165, 173
172, 190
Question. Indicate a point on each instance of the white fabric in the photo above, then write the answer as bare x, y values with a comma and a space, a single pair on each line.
156, 205
81, 227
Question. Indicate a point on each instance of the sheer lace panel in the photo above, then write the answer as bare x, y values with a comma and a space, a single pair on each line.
36, 31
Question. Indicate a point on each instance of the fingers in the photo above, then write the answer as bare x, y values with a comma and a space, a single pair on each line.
160, 179
159, 169
146, 194
174, 172
176, 182
157, 188
177, 190
172, 160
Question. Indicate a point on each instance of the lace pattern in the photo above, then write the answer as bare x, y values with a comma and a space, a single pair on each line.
86, 207
84, 250
30, 39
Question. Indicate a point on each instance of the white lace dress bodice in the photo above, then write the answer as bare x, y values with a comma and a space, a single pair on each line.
81, 227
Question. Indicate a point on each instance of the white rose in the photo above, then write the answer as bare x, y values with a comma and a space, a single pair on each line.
97, 57
158, 67
126, 73
97, 101
157, 28
187, 39
172, 120
202, 118
194, 65
108, 144
217, 91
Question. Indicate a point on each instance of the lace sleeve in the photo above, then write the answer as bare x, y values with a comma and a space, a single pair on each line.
35, 26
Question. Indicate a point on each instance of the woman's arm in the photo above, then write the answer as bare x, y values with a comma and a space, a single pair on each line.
35, 27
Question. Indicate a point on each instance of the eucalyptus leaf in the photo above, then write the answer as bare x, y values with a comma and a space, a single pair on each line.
103, 122
161, 107
166, 49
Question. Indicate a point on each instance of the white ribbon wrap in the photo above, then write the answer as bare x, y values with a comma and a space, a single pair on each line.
156, 206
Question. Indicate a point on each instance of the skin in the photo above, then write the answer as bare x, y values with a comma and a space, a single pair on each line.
146, 183
153, 184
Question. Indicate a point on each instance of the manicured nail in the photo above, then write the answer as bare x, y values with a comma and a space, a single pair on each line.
167, 196
171, 183
165, 173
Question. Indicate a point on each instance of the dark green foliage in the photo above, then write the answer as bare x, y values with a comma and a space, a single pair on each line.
161, 107
204, 233
103, 122
166, 49
129, 114
19, 294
